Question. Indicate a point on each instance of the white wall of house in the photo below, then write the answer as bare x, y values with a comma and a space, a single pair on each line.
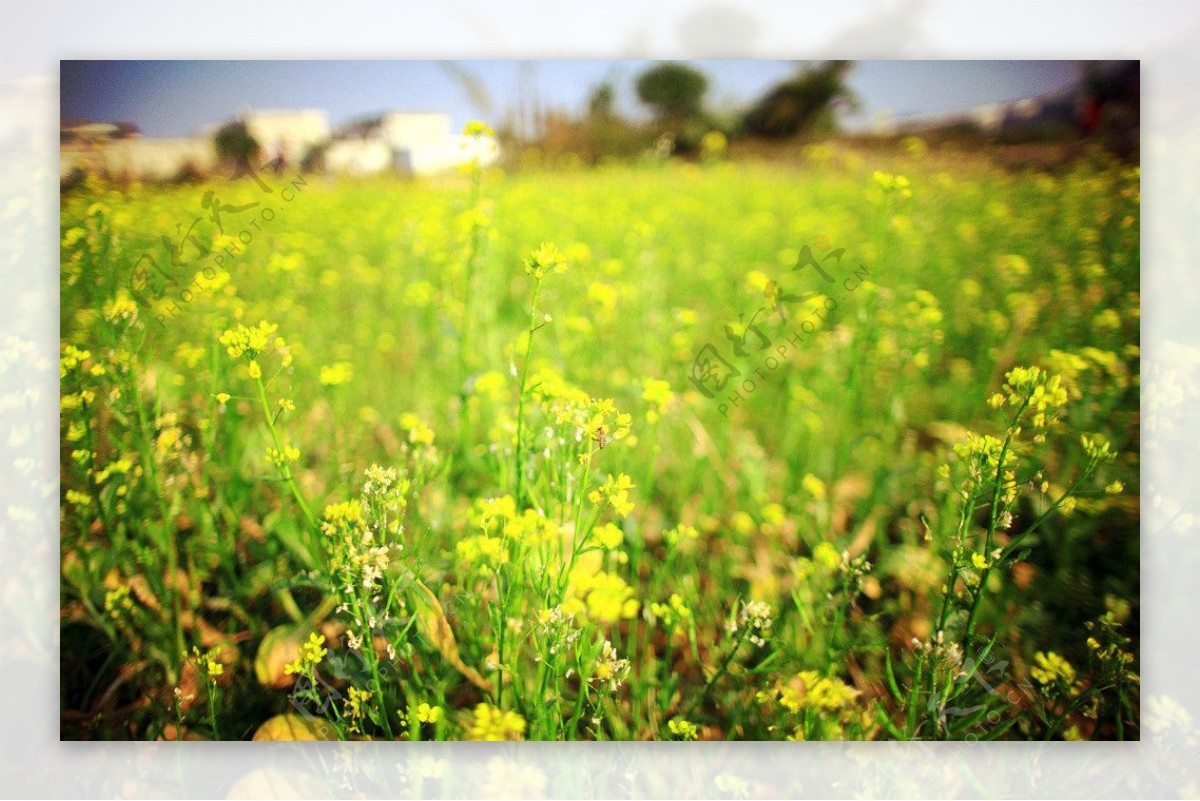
409, 131
358, 156
140, 157
287, 132
424, 144
407, 143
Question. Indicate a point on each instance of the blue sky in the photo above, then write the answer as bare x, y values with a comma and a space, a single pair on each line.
174, 98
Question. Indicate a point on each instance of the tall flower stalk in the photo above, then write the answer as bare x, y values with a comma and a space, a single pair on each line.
539, 265
476, 132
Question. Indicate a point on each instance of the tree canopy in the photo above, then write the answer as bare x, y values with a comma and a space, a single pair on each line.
674, 91
801, 103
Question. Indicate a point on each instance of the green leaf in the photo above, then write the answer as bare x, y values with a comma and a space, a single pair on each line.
891, 677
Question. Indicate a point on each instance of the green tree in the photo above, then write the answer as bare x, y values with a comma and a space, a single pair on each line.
235, 144
802, 103
674, 91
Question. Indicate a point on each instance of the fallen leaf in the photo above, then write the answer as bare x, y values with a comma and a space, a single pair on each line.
278, 648
435, 627
296, 727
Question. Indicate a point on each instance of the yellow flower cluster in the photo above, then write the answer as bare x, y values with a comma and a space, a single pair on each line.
477, 128
607, 536
577, 412
71, 402
336, 374
498, 521
422, 713
491, 385
418, 432
207, 663
354, 710
1107, 644
1045, 394
825, 560
118, 467
813, 486
117, 602
826, 705
658, 394
606, 596
680, 534
683, 729
1052, 669
482, 551
1097, 448
354, 553
545, 260
893, 183
347, 512
615, 493
673, 614
810, 690
281, 457
71, 358
532, 527
249, 342
120, 309
1106, 369
606, 423
311, 654
494, 724
982, 456
170, 440
491, 511
713, 144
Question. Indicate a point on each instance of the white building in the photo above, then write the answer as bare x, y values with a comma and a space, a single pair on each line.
289, 133
155, 159
400, 142
160, 159
420, 143
359, 156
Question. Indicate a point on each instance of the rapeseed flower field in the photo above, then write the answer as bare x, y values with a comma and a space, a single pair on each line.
843, 448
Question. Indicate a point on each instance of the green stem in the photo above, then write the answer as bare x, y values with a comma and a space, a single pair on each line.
573, 726
576, 533
472, 256
373, 663
948, 593
285, 470
167, 531
1012, 546
109, 529
997, 488
212, 708
519, 456
502, 591
720, 671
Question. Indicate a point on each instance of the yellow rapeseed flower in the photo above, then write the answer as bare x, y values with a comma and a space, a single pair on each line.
683, 729
494, 724
477, 128
333, 375
1051, 668
243, 341
545, 260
